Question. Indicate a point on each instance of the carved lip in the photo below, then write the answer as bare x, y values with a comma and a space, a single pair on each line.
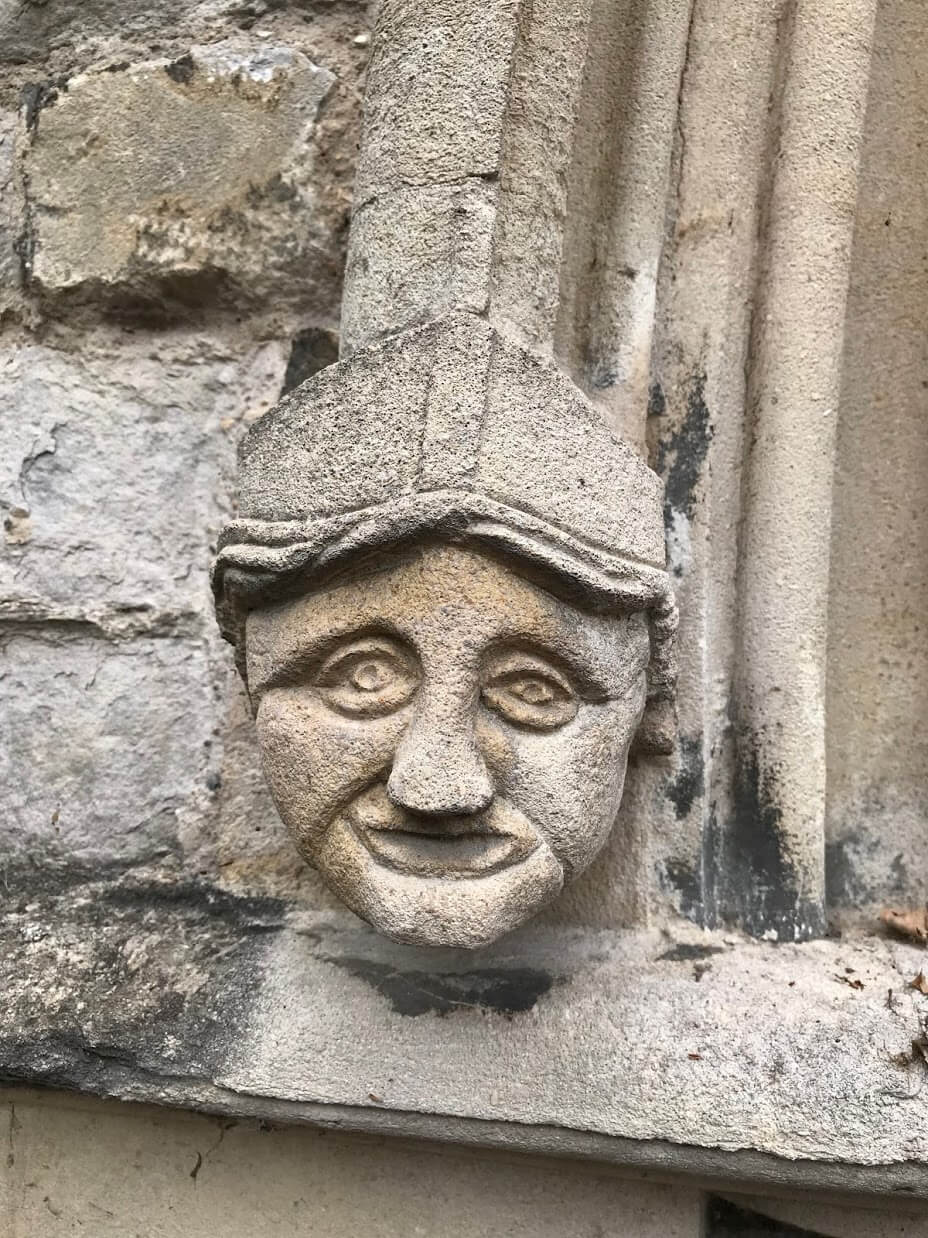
455, 848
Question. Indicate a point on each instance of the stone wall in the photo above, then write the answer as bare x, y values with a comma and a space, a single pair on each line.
730, 264
176, 187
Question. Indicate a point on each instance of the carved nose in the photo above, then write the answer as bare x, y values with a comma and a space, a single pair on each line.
438, 770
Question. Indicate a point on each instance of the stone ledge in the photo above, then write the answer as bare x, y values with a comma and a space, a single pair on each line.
771, 1067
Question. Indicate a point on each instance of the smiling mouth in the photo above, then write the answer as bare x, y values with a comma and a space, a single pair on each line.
454, 855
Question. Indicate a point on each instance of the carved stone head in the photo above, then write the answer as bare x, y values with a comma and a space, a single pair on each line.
447, 596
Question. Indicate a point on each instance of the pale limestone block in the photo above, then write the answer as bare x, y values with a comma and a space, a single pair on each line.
437, 92
103, 748
114, 465
188, 180
11, 211
417, 253
85, 1164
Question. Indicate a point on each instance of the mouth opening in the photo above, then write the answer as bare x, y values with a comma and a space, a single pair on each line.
458, 854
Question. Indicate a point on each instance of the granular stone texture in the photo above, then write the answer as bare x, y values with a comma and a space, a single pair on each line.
189, 180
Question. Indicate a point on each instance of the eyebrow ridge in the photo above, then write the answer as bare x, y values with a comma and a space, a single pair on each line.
300, 662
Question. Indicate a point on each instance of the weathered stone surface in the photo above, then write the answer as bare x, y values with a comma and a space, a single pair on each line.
877, 678
425, 199
219, 205
115, 465
11, 212
82, 1163
698, 1039
446, 740
657, 1051
105, 750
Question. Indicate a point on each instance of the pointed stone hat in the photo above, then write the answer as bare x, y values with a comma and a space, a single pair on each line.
448, 430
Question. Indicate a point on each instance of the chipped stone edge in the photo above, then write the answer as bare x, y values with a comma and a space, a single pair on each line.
658, 1160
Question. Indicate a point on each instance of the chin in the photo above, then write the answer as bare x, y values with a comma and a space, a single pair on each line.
461, 911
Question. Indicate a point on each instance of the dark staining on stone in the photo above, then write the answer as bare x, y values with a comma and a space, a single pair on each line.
256, 913
657, 401
684, 952
310, 351
275, 189
759, 890
689, 781
680, 878
728, 1220
843, 884
682, 453
602, 378
848, 861
129, 953
181, 70
506, 991
35, 96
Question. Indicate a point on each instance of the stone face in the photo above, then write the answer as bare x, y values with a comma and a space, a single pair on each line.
446, 740
186, 180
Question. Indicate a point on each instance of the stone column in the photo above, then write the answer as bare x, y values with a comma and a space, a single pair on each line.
460, 198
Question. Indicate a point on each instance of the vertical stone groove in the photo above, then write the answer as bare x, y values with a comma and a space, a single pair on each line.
773, 855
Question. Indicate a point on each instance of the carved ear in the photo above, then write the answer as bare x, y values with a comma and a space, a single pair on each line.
657, 732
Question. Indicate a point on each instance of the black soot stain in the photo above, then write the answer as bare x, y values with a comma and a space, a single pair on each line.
506, 991
689, 781
310, 351
684, 952
181, 70
34, 96
682, 454
726, 1220
679, 876
760, 883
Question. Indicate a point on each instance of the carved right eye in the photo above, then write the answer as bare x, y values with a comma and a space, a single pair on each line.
367, 678
528, 691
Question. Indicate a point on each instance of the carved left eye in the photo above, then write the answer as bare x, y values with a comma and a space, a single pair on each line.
368, 678
527, 691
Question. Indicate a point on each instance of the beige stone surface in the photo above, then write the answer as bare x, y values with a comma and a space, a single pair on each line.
116, 442
878, 637
190, 179
76, 1166
446, 742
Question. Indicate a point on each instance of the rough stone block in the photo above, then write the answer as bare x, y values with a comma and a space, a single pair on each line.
116, 463
10, 211
102, 749
188, 182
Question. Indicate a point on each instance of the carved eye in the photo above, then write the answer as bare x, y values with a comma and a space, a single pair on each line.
528, 691
367, 678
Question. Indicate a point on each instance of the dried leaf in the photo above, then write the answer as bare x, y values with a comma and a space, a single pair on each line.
921, 983
911, 924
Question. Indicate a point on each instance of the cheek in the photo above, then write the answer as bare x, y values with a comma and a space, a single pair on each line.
570, 782
315, 761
